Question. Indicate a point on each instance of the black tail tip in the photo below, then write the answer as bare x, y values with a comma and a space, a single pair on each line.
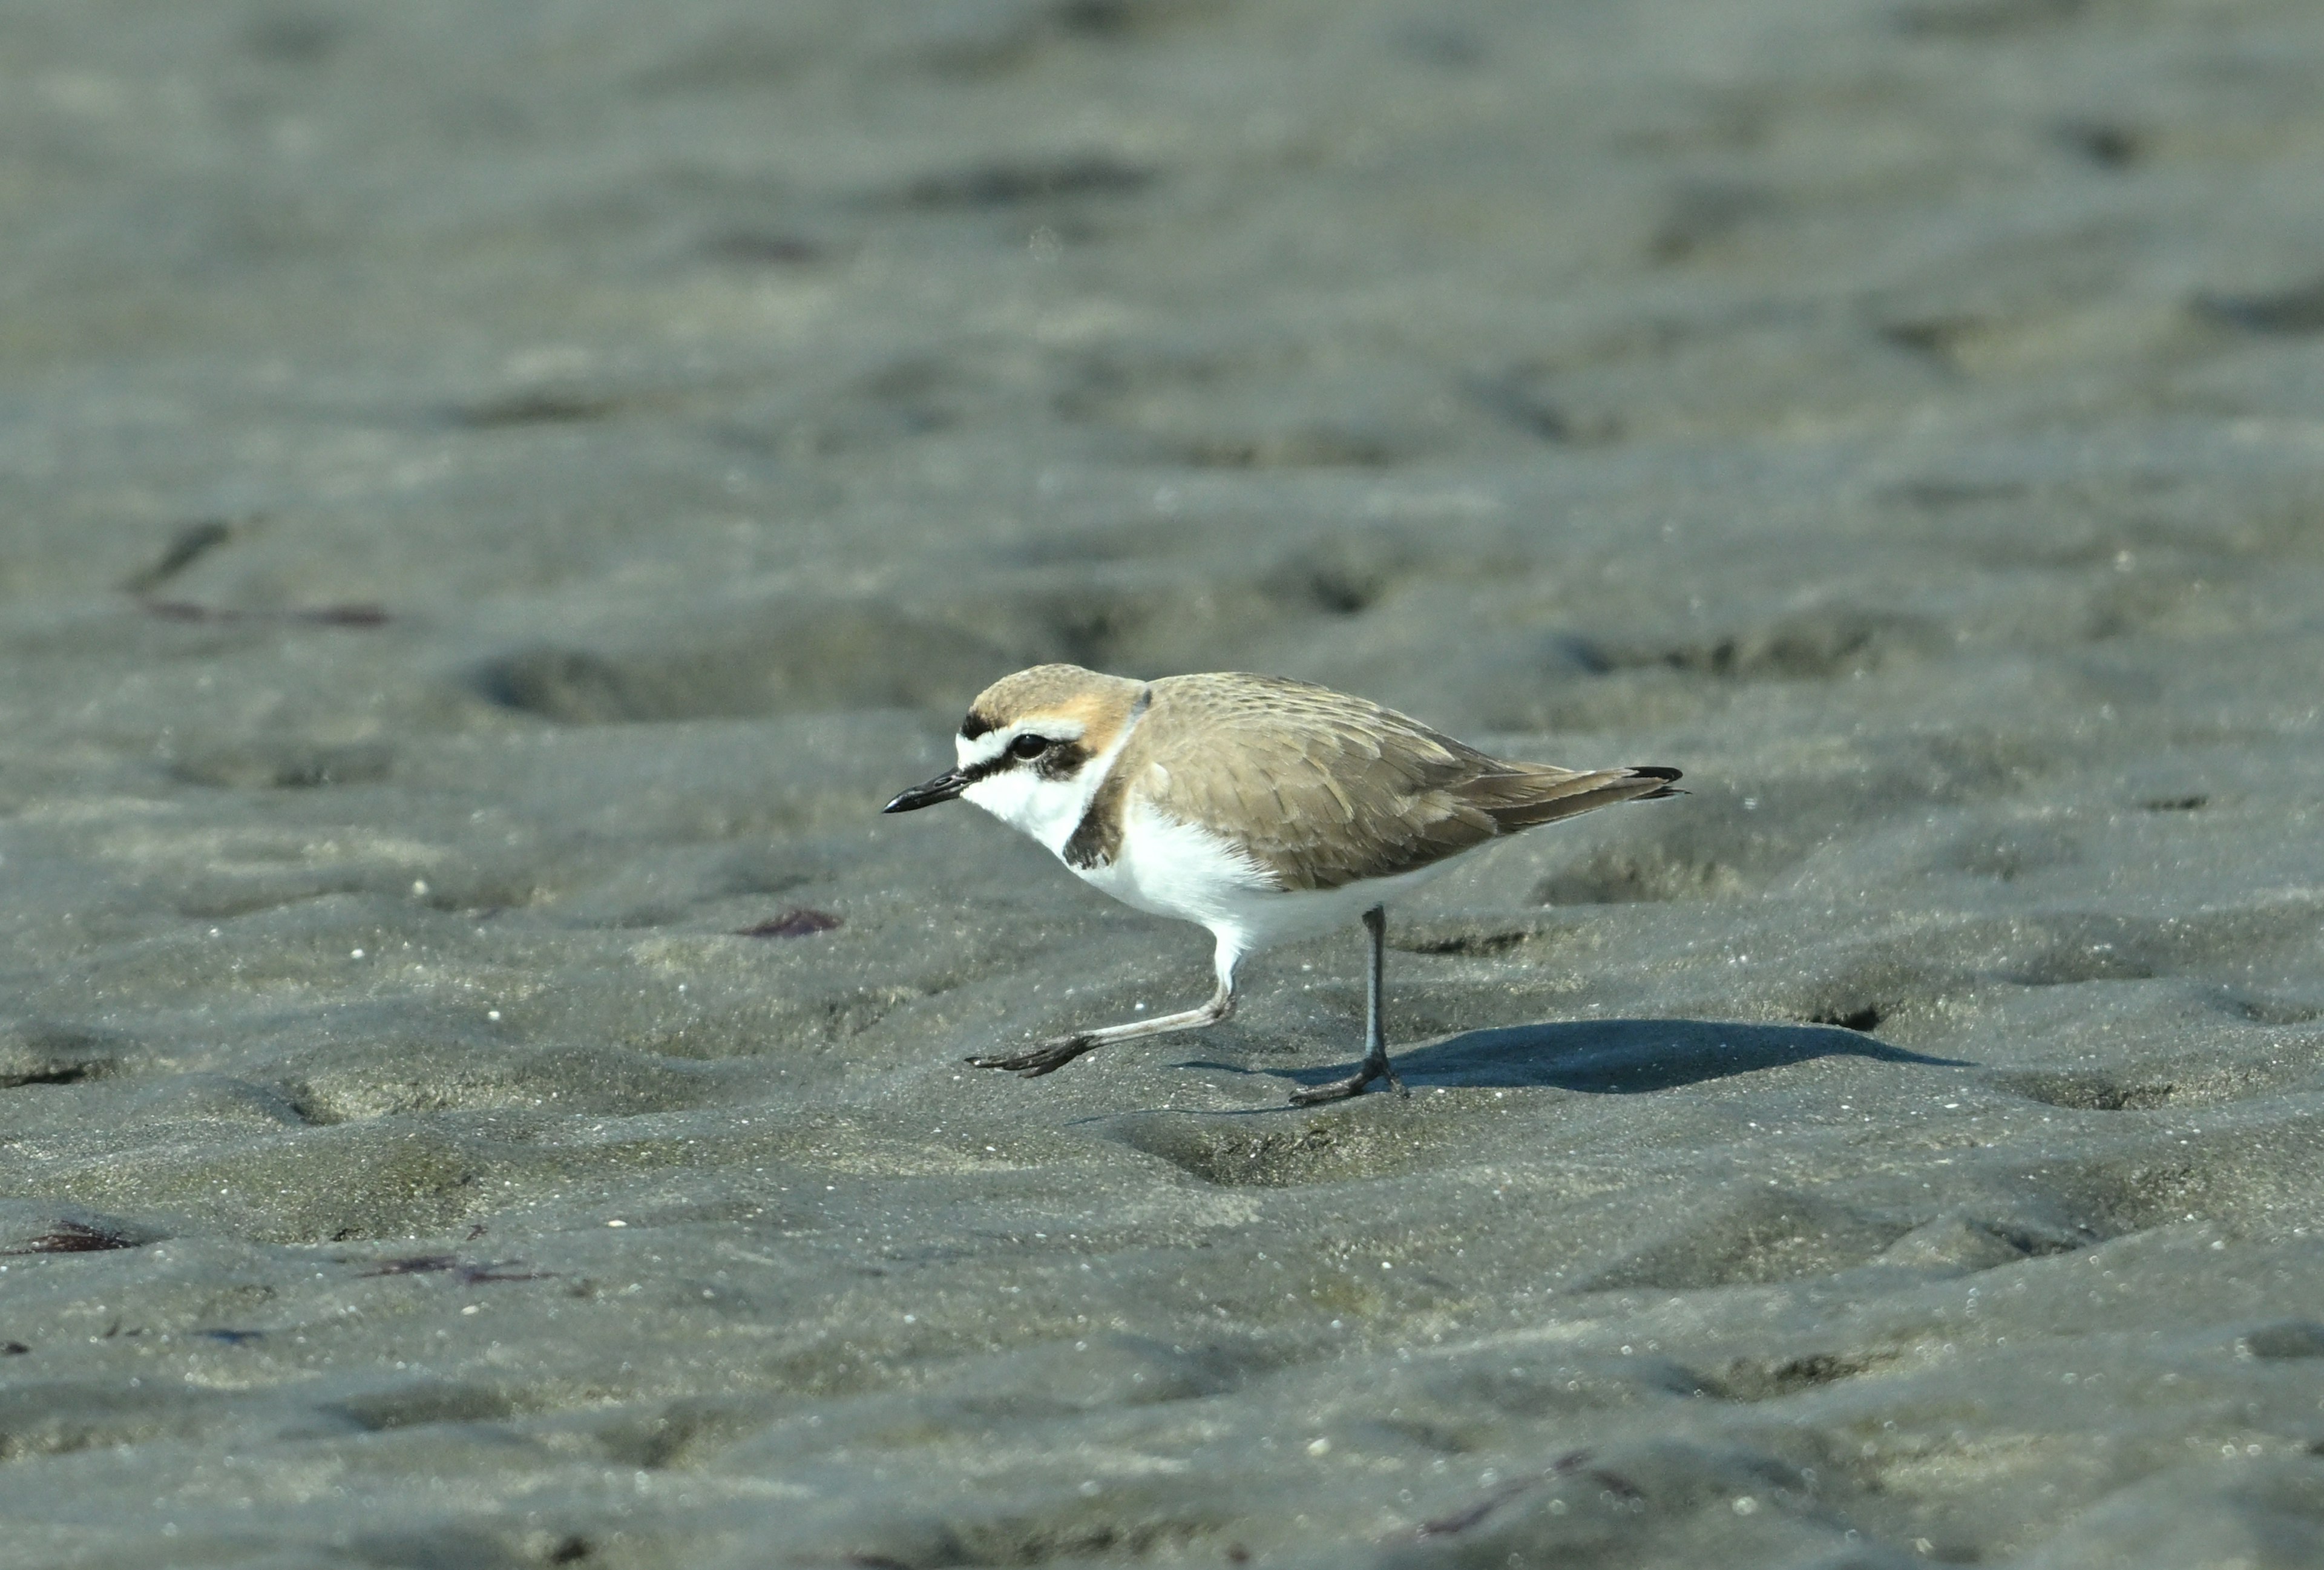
1666, 775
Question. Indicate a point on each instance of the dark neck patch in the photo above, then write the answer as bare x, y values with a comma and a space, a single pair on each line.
1097, 838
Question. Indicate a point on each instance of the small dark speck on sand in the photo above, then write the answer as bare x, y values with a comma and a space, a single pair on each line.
801, 923
1616, 1483
12, 1349
1476, 1510
750, 246
234, 1337
432, 1264
183, 611
414, 1265
353, 615
2295, 312
498, 1271
190, 544
72, 1237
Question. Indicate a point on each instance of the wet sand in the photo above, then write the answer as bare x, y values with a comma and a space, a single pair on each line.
496, 497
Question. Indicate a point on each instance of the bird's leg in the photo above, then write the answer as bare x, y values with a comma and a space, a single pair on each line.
1375, 1065
1048, 1056
1376, 1004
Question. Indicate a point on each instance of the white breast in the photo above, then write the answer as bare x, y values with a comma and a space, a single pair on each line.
1176, 869
1192, 873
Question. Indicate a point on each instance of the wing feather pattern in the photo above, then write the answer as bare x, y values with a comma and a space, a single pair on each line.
1326, 788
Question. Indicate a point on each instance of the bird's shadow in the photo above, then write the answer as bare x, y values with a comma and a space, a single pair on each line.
1613, 1056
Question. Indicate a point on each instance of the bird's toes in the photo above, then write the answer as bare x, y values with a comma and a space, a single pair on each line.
1051, 1056
1046, 1058
1316, 1094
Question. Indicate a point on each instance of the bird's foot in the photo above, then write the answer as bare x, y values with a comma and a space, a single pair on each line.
1046, 1058
1353, 1085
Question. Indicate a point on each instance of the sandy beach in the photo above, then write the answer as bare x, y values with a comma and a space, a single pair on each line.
494, 498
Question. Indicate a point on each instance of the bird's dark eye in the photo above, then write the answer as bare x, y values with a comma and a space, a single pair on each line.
1029, 746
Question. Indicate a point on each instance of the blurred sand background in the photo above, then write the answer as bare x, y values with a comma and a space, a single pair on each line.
493, 496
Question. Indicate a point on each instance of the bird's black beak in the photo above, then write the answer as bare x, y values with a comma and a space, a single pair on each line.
943, 788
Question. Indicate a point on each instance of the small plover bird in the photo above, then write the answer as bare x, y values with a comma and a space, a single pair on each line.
1262, 808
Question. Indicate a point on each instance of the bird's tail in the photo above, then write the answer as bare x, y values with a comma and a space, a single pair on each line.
1530, 795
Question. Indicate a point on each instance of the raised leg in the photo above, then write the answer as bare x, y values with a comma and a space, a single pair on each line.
1048, 1056
1375, 1064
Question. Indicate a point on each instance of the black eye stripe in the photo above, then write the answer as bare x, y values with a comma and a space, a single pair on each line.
1062, 761
1056, 761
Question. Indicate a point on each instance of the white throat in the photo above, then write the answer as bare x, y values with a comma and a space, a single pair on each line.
1047, 809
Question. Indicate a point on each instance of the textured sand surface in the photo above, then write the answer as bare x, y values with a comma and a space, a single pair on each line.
493, 497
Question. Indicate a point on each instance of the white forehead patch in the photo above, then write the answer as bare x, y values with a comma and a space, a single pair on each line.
984, 749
